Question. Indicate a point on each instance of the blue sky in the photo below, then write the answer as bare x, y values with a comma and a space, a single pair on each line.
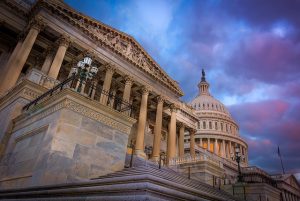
251, 53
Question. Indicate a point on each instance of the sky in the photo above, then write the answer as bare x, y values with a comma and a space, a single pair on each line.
249, 49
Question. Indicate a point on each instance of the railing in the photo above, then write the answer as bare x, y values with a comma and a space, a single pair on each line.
256, 175
189, 159
86, 88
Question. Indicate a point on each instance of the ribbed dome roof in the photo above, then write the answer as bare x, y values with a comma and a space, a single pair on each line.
206, 102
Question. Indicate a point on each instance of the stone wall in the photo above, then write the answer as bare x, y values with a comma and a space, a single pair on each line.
59, 143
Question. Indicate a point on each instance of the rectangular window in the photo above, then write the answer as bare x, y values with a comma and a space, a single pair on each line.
216, 125
210, 125
204, 125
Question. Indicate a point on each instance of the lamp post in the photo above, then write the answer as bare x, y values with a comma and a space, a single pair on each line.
237, 156
162, 156
132, 151
85, 70
148, 150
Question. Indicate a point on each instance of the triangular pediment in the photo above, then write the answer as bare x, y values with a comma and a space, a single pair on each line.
118, 42
291, 180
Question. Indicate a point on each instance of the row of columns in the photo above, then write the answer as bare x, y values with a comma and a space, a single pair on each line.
51, 67
287, 196
226, 148
14, 65
171, 139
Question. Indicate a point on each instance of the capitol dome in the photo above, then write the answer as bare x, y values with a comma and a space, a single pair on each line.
216, 129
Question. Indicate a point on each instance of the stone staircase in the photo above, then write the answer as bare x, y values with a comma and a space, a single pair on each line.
143, 167
143, 181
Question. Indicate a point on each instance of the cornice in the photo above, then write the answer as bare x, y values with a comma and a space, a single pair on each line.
116, 41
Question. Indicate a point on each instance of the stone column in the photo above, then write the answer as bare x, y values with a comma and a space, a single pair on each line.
171, 151
127, 89
48, 60
14, 67
215, 146
95, 83
11, 58
227, 150
208, 144
126, 93
192, 143
113, 91
157, 128
59, 57
139, 146
181, 139
223, 149
107, 83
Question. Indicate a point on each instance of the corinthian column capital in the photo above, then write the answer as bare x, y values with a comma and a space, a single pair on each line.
37, 23
64, 41
128, 80
160, 99
110, 68
145, 90
174, 108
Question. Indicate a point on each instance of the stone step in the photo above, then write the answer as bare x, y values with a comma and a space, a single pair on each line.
166, 174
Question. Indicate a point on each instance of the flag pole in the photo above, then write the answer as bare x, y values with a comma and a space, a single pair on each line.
278, 151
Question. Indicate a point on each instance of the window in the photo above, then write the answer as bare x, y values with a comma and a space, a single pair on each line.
210, 125
216, 125
226, 128
221, 126
204, 125
199, 125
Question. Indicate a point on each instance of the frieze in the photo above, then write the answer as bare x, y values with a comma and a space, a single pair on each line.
120, 43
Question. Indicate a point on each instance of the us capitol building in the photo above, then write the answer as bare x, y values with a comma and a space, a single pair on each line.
87, 114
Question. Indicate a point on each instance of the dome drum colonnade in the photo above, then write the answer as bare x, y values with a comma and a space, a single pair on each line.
216, 130
53, 66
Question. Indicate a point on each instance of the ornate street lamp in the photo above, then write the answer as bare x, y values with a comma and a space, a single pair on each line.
237, 156
85, 70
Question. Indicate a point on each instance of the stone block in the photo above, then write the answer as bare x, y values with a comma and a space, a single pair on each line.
58, 162
121, 138
110, 147
80, 170
97, 128
73, 134
41, 161
70, 117
22, 144
53, 177
26, 154
97, 171
36, 139
66, 148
